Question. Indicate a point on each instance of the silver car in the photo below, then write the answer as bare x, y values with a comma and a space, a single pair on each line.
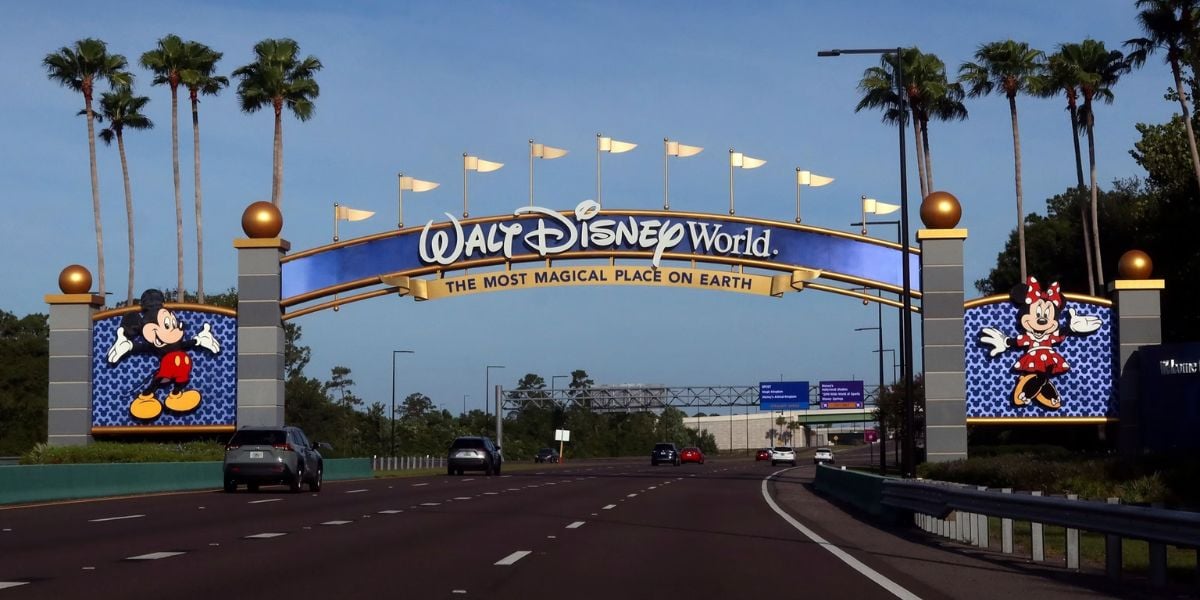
256, 456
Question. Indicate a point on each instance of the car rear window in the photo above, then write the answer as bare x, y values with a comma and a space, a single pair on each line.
258, 437
824, 450
664, 447
783, 448
467, 443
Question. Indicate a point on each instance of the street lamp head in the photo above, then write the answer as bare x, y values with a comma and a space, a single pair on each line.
825, 53
865, 328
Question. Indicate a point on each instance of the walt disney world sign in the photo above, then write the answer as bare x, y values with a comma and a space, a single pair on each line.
533, 234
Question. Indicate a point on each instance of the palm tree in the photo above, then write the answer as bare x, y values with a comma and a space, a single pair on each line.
927, 92
1099, 70
1059, 76
200, 78
123, 110
1169, 25
168, 61
78, 68
1007, 66
278, 78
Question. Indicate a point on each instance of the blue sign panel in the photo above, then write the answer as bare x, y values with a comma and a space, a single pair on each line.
534, 233
841, 394
782, 395
1169, 396
1083, 390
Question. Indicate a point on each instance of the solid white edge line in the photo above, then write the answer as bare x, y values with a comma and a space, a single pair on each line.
106, 519
882, 581
512, 558
575, 525
265, 501
154, 556
12, 584
419, 484
356, 491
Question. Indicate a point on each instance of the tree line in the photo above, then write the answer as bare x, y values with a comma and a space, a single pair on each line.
278, 78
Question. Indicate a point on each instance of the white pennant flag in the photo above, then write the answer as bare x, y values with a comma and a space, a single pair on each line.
872, 206
474, 163
607, 144
416, 185
812, 179
345, 213
546, 152
741, 161
682, 150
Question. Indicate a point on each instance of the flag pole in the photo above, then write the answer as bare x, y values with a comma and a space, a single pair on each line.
666, 177
465, 213
400, 206
531, 172
598, 199
731, 181
335, 220
797, 194
863, 207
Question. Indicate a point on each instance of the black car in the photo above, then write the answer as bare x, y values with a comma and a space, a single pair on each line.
272, 455
473, 454
546, 455
664, 453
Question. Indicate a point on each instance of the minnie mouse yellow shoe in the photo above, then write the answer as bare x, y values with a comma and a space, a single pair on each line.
183, 401
1019, 398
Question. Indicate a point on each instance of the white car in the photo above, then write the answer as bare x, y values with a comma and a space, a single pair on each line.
783, 454
823, 455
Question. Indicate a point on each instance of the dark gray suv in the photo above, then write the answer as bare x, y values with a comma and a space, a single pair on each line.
664, 452
272, 455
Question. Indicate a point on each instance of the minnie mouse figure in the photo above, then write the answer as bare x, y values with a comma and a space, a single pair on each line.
1037, 316
157, 330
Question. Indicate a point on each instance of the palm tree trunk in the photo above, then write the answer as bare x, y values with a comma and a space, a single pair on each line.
1099, 264
198, 200
128, 212
91, 127
920, 153
1187, 120
277, 158
1083, 217
928, 155
178, 200
1012, 109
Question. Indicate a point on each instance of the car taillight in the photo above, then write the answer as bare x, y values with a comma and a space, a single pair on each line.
287, 447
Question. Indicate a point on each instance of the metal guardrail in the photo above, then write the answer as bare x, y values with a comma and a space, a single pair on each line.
933, 503
407, 463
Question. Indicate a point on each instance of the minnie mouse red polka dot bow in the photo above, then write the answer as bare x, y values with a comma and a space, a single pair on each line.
1035, 293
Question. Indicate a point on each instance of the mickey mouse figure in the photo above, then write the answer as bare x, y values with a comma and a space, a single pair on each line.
155, 329
1037, 316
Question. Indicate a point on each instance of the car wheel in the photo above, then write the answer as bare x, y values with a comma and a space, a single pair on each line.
230, 485
449, 471
297, 481
793, 463
654, 463
772, 463
487, 470
315, 484
498, 467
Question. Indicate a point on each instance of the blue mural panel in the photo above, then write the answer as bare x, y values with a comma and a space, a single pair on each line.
213, 375
1086, 390
444, 244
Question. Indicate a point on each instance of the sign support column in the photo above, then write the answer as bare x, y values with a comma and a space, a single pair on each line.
70, 376
1138, 320
260, 362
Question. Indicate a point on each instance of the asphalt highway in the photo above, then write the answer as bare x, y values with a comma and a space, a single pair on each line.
597, 530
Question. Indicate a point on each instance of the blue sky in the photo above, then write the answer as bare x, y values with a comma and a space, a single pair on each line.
411, 86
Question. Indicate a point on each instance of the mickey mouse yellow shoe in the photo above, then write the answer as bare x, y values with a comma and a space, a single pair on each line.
145, 407
183, 401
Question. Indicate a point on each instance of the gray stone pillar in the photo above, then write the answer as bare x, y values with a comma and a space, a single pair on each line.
69, 422
1137, 321
260, 398
942, 336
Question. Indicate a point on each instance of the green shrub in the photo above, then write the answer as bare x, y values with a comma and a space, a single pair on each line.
117, 452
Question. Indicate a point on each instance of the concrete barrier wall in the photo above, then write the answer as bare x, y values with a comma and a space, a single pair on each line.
41, 483
863, 491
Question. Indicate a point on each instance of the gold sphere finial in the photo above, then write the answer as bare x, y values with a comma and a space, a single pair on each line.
75, 279
1135, 264
940, 210
262, 220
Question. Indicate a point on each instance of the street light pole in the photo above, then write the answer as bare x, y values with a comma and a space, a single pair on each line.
465, 396
487, 387
392, 438
909, 462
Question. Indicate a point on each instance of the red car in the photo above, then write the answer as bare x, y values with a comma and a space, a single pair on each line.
691, 455
763, 454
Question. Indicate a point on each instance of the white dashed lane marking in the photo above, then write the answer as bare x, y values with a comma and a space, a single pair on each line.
355, 491
610, 506
430, 503
512, 558
489, 493
265, 536
630, 495
154, 556
265, 501
336, 522
469, 479
12, 584
575, 525
115, 518
419, 484
463, 498
391, 511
